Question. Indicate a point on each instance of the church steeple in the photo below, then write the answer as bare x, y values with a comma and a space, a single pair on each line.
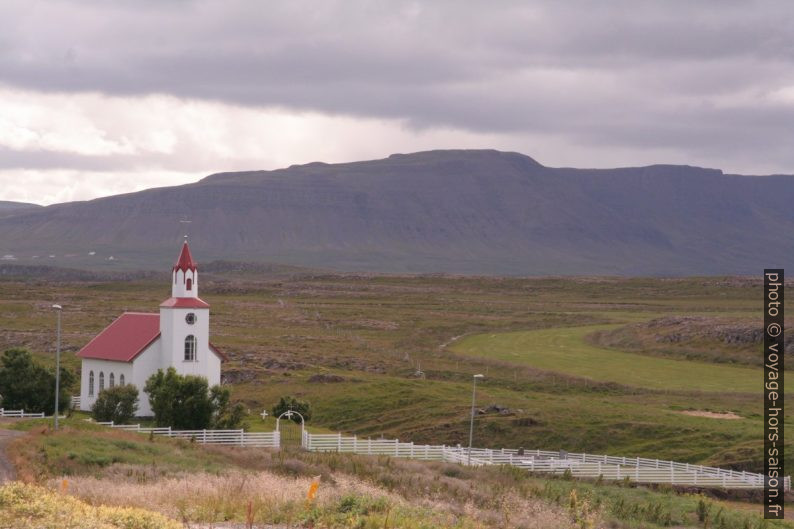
185, 275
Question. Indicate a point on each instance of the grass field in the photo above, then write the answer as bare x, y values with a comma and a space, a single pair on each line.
565, 350
376, 332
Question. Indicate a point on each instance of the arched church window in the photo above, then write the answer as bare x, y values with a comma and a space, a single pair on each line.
101, 380
189, 284
190, 348
91, 384
121, 380
112, 380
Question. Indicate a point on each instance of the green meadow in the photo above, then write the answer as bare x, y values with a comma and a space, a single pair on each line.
565, 350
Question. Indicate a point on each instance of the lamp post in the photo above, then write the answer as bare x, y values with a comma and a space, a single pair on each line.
58, 308
471, 423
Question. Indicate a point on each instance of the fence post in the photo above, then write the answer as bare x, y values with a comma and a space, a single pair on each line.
396, 447
339, 442
204, 436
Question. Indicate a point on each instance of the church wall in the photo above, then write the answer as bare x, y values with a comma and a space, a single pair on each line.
145, 365
213, 366
101, 366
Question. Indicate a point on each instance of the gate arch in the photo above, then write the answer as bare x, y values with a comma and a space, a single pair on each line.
290, 435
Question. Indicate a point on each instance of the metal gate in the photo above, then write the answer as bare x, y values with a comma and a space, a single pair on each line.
291, 432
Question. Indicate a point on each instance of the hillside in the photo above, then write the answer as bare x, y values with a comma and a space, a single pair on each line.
6, 205
9, 208
483, 212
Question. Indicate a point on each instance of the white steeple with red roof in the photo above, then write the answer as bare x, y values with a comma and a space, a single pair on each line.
185, 275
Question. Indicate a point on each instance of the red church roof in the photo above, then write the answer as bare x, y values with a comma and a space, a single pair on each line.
185, 261
185, 303
125, 338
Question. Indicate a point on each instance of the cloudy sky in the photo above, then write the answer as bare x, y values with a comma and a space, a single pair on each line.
103, 97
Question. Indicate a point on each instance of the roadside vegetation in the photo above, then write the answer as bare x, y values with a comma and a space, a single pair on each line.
190, 483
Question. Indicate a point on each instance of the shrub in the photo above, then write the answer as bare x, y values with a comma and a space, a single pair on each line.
117, 404
23, 505
186, 402
226, 416
291, 403
26, 385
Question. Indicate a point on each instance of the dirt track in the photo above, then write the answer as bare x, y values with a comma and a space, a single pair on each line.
6, 469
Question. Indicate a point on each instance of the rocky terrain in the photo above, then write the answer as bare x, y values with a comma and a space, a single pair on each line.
712, 339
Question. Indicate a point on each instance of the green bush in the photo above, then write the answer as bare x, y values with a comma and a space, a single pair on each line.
226, 416
291, 403
117, 404
28, 386
186, 402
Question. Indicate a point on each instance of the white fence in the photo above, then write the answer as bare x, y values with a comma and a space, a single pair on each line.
20, 414
637, 469
220, 437
640, 470
75, 403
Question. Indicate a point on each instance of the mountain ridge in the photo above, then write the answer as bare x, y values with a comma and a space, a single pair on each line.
454, 211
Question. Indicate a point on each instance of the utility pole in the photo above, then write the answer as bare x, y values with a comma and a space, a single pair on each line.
59, 309
471, 423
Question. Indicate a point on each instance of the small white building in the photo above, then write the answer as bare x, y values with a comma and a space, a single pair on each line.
136, 344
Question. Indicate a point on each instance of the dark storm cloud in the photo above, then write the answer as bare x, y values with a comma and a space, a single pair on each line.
703, 78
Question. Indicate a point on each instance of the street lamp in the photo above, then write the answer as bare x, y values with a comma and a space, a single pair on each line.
57, 363
471, 423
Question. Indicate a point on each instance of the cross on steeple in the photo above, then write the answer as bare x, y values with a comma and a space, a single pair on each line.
185, 221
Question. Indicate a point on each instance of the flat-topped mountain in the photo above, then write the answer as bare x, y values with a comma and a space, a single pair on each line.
459, 211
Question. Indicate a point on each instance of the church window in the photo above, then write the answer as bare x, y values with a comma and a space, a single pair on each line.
112, 380
190, 318
91, 384
121, 380
190, 349
189, 284
101, 381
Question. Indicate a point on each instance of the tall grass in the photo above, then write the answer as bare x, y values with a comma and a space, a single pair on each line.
268, 498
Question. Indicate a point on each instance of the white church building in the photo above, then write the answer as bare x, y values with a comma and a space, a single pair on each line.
137, 344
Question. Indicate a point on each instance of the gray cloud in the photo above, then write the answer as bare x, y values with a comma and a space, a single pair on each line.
693, 78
